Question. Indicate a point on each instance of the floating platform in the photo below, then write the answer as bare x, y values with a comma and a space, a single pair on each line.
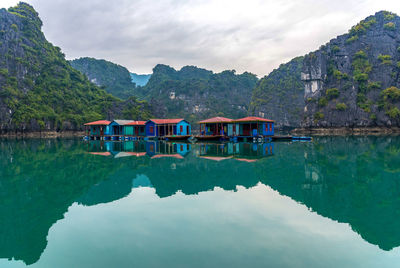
211, 138
177, 137
290, 138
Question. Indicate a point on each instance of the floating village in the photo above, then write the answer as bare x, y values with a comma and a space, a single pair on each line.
247, 129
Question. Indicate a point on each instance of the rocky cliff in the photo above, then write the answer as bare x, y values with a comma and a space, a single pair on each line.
39, 90
280, 95
115, 78
353, 81
196, 93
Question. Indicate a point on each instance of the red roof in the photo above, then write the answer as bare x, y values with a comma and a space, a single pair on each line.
217, 119
178, 156
167, 121
101, 153
253, 119
246, 160
98, 123
136, 123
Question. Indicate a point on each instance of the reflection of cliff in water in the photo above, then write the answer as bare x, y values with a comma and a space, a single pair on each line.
350, 180
39, 180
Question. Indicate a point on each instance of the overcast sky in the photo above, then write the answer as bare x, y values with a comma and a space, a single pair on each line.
250, 35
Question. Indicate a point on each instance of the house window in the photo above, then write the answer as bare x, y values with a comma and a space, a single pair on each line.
151, 129
270, 127
181, 129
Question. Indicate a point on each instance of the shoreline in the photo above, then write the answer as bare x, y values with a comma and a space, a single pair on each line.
44, 134
343, 131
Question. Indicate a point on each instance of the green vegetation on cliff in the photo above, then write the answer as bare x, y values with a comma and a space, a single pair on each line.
196, 93
39, 90
114, 78
280, 95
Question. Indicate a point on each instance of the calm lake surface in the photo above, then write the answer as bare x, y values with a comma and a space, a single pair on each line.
332, 202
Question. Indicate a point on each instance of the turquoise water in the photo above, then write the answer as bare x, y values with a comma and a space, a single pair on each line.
332, 202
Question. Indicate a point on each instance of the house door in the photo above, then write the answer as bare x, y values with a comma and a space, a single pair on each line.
101, 131
187, 130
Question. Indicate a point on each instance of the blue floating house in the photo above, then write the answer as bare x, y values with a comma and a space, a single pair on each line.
251, 127
98, 129
169, 128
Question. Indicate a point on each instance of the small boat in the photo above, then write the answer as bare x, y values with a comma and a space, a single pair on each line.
302, 138
282, 138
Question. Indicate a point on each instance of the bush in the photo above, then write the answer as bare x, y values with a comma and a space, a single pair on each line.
385, 59
352, 39
372, 117
398, 49
318, 115
361, 77
341, 106
398, 64
339, 75
360, 55
14, 27
335, 49
389, 26
3, 71
373, 85
322, 102
388, 15
393, 113
392, 93
332, 93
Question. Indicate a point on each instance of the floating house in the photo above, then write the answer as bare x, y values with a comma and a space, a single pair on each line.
98, 129
251, 127
118, 127
214, 128
168, 128
135, 129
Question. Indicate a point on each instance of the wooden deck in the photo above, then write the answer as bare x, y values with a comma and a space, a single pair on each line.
211, 137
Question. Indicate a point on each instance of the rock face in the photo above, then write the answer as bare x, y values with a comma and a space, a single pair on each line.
195, 93
280, 95
353, 80
39, 90
115, 78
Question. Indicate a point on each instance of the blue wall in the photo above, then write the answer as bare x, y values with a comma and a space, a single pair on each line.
184, 131
148, 126
95, 130
176, 129
268, 129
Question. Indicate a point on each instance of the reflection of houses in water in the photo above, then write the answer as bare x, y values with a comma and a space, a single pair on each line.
247, 152
157, 149
154, 149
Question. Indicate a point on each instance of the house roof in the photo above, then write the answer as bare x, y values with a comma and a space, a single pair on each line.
101, 153
123, 122
217, 119
216, 158
166, 121
98, 123
137, 123
252, 119
178, 156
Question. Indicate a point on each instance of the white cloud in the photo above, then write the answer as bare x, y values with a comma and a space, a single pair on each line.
252, 35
